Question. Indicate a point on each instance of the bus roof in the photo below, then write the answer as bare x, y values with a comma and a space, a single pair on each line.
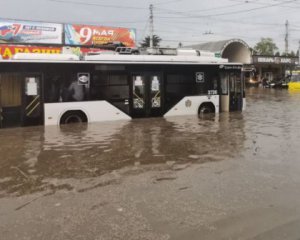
156, 58
117, 58
43, 56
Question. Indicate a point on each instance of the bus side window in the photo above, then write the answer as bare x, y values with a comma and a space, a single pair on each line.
76, 92
232, 82
224, 83
238, 83
215, 82
53, 91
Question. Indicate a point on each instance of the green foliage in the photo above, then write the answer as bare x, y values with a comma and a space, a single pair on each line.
292, 54
146, 41
266, 46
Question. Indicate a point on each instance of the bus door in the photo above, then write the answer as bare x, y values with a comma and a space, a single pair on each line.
10, 99
32, 103
235, 92
146, 95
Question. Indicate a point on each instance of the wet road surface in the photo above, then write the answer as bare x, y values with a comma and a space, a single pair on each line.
233, 176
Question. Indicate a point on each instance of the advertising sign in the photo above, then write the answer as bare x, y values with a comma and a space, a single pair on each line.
276, 60
7, 51
87, 35
30, 32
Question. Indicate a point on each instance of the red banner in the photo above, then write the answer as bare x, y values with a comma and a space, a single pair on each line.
88, 35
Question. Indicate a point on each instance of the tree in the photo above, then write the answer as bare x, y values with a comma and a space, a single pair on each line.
266, 46
292, 54
146, 41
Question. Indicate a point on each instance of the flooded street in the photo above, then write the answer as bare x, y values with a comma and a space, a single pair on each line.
233, 176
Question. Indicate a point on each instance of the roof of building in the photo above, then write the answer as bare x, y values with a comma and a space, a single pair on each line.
218, 46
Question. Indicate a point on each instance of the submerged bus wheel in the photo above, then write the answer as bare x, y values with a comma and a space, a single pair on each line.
73, 117
206, 108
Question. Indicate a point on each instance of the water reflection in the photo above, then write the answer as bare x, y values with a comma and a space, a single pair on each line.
294, 91
34, 159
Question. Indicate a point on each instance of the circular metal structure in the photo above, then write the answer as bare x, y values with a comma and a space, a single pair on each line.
235, 50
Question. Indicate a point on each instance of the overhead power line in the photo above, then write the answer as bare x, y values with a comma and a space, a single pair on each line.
98, 4
187, 14
206, 9
260, 3
168, 2
73, 22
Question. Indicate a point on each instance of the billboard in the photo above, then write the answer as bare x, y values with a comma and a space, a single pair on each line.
7, 51
88, 35
15, 32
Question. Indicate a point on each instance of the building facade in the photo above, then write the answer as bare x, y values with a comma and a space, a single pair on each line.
273, 68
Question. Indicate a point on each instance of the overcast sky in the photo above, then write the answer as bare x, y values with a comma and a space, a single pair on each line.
186, 21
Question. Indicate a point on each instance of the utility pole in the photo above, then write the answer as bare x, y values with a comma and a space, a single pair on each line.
151, 26
299, 54
286, 37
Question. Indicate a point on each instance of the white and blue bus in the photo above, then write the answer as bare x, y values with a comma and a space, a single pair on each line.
56, 89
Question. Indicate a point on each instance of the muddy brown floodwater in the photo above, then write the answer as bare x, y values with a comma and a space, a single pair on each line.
232, 176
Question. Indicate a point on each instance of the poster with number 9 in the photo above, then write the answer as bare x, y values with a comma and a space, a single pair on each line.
89, 35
